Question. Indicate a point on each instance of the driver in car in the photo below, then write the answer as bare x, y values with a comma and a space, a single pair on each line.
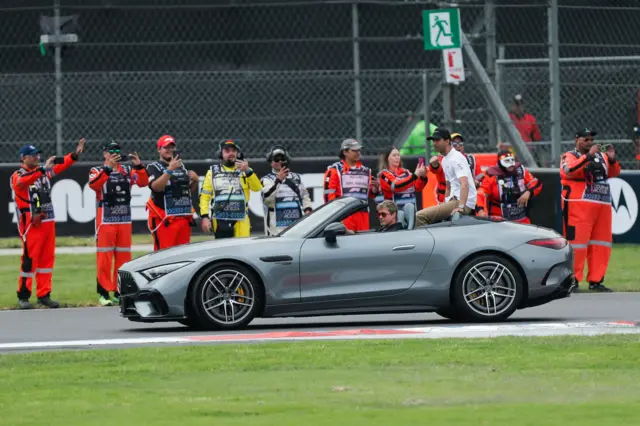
388, 216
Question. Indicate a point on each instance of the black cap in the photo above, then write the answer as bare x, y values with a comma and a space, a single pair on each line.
440, 133
111, 146
585, 132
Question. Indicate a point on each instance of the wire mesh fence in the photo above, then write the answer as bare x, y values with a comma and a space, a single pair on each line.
306, 74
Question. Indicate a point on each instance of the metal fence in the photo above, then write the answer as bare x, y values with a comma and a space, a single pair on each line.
307, 74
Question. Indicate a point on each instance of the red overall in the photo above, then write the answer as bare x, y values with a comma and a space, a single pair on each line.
339, 180
500, 192
170, 226
401, 186
36, 225
113, 220
586, 210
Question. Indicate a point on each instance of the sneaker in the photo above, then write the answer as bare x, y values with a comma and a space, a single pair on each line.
24, 304
599, 288
46, 301
115, 299
104, 301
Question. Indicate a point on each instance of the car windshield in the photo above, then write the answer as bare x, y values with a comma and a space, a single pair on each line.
308, 222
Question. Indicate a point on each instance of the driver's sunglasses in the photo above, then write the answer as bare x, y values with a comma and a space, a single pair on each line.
383, 214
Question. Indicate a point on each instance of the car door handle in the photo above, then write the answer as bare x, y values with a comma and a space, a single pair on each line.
408, 247
277, 259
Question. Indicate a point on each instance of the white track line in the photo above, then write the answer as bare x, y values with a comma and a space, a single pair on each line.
467, 331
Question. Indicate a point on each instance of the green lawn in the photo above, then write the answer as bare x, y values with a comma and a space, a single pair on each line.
88, 241
581, 381
74, 277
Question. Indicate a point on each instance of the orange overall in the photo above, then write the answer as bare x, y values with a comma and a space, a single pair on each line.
500, 192
113, 220
339, 180
401, 186
586, 210
171, 210
36, 225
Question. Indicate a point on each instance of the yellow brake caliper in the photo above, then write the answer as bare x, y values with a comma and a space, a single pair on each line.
241, 292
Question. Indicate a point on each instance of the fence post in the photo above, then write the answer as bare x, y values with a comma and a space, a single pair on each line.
490, 31
499, 86
427, 114
58, 77
554, 82
356, 71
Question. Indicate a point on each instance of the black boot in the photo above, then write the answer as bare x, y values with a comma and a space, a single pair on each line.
599, 288
24, 304
46, 301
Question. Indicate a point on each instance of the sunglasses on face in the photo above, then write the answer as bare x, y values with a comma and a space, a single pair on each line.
114, 151
383, 214
278, 159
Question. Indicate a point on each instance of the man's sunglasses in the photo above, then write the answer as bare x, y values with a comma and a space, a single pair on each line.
114, 151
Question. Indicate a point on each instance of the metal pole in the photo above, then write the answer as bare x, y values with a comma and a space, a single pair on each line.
499, 86
58, 76
427, 115
356, 71
554, 81
490, 30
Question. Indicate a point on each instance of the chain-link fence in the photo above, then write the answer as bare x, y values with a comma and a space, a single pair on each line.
307, 74
599, 84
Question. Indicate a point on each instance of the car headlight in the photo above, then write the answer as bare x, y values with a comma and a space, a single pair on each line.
159, 271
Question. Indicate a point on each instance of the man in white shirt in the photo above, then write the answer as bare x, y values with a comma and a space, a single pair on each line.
461, 191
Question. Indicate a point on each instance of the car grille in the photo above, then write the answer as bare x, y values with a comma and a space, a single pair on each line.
126, 283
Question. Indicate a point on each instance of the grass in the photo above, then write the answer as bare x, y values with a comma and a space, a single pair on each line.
74, 277
505, 381
74, 280
88, 241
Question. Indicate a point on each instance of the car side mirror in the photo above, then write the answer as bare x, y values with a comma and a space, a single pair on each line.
333, 230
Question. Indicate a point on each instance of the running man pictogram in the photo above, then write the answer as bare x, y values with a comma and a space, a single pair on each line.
440, 23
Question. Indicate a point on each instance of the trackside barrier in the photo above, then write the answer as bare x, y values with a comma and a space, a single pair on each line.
74, 201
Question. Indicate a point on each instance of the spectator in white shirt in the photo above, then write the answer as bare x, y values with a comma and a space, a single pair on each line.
461, 191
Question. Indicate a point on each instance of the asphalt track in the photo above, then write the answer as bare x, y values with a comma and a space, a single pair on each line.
74, 324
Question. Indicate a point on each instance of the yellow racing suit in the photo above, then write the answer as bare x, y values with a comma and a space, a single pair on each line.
229, 201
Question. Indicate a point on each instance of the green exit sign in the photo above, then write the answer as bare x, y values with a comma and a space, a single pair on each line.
441, 29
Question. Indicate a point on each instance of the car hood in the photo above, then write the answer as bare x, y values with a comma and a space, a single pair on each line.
198, 251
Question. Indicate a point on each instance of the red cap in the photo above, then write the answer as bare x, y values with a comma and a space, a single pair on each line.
166, 140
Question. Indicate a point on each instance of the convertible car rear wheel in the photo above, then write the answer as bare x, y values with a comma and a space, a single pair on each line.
225, 297
487, 288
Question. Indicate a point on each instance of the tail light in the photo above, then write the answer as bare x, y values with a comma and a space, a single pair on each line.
552, 243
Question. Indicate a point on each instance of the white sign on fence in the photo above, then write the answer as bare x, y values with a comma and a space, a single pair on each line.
453, 65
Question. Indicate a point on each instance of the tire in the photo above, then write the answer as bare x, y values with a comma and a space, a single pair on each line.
209, 300
496, 303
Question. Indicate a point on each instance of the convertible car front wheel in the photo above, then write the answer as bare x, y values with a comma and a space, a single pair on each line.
487, 288
225, 297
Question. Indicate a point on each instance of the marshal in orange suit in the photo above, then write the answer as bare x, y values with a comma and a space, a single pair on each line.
31, 187
586, 206
112, 184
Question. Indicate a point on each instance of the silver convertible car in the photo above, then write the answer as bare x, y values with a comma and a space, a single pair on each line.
468, 269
